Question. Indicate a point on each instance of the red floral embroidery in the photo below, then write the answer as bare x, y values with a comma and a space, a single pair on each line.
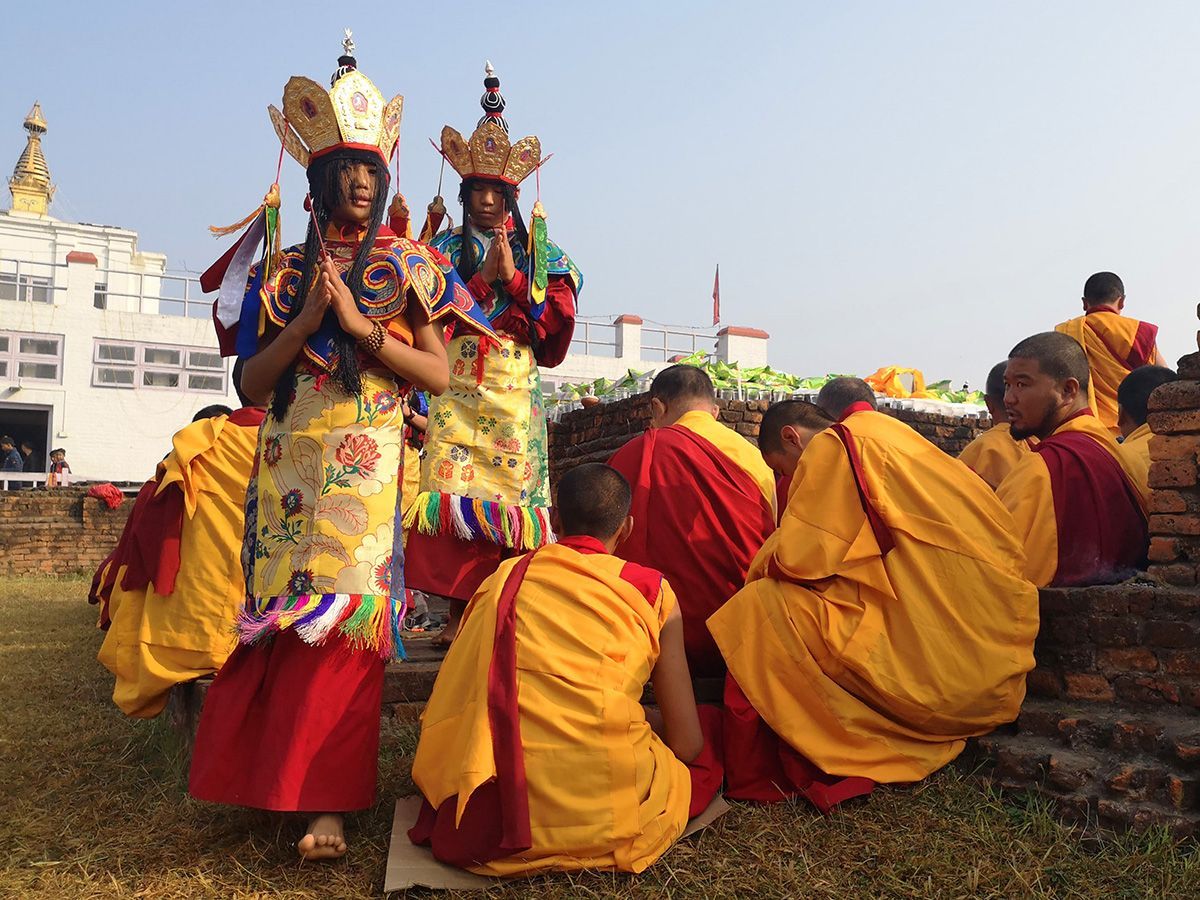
445, 469
358, 452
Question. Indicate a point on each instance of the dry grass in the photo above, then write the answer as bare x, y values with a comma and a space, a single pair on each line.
94, 806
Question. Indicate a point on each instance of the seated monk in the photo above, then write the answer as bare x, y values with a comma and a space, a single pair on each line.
1115, 344
1074, 486
992, 455
535, 752
884, 623
172, 589
1133, 401
703, 503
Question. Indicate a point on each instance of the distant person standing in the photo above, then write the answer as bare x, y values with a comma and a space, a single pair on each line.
10, 459
1115, 344
28, 463
58, 466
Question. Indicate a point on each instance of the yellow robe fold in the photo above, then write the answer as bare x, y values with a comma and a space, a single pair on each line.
1115, 345
993, 454
1134, 453
877, 665
155, 641
604, 791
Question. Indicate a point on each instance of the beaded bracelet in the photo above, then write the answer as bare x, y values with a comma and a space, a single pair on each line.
373, 342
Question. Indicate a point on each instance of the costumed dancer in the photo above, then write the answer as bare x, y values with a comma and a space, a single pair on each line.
485, 487
334, 331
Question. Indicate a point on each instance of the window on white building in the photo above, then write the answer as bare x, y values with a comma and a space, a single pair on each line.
31, 357
126, 364
100, 295
24, 288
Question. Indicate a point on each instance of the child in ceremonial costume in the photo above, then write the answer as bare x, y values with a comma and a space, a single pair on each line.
334, 332
535, 752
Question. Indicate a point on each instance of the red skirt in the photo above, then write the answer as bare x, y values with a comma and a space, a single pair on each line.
763, 768
446, 565
290, 727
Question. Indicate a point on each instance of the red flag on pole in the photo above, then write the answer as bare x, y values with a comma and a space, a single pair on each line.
717, 296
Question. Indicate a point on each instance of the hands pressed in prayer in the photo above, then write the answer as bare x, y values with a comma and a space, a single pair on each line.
331, 291
498, 263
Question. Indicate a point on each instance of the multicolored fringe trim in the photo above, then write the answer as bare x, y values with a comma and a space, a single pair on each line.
369, 622
515, 527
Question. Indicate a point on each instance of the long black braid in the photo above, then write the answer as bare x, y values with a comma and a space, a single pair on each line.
327, 187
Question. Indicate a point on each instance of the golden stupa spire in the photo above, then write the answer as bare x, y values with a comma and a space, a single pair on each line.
30, 183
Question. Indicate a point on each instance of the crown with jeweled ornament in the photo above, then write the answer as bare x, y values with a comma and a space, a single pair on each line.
350, 115
489, 153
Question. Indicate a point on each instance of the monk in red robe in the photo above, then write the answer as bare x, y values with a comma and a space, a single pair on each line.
1074, 500
1115, 344
703, 503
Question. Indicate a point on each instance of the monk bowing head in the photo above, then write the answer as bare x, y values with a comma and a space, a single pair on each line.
1045, 383
786, 429
839, 394
677, 390
593, 501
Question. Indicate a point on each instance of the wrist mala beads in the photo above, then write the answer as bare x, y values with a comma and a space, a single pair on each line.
373, 342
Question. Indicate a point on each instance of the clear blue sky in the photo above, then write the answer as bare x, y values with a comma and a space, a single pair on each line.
919, 183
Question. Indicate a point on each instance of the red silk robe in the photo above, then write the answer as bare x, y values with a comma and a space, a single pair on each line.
703, 504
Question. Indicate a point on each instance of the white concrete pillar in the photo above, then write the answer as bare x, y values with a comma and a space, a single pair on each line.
81, 281
629, 336
745, 346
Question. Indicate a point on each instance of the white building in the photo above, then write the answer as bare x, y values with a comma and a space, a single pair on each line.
101, 352
603, 349
106, 355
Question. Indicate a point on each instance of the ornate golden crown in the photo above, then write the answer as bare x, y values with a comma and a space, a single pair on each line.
351, 114
488, 153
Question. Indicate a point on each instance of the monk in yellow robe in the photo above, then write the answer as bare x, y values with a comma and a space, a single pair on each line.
1074, 500
1115, 344
1133, 401
174, 585
535, 752
993, 454
703, 503
883, 624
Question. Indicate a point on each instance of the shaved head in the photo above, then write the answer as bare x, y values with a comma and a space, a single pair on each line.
994, 389
1133, 396
593, 500
682, 383
1045, 383
789, 412
840, 393
1102, 289
1059, 356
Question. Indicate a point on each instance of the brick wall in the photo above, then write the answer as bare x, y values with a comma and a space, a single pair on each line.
56, 532
593, 435
1110, 729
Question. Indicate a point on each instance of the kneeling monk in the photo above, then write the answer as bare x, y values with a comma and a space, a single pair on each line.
884, 623
171, 590
535, 751
703, 503
1075, 501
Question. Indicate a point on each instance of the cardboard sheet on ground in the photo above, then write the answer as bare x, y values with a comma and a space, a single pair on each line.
412, 866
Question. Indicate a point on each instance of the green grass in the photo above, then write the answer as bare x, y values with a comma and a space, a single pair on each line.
94, 806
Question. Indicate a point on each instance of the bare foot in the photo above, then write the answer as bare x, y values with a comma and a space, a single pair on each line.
447, 635
325, 838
